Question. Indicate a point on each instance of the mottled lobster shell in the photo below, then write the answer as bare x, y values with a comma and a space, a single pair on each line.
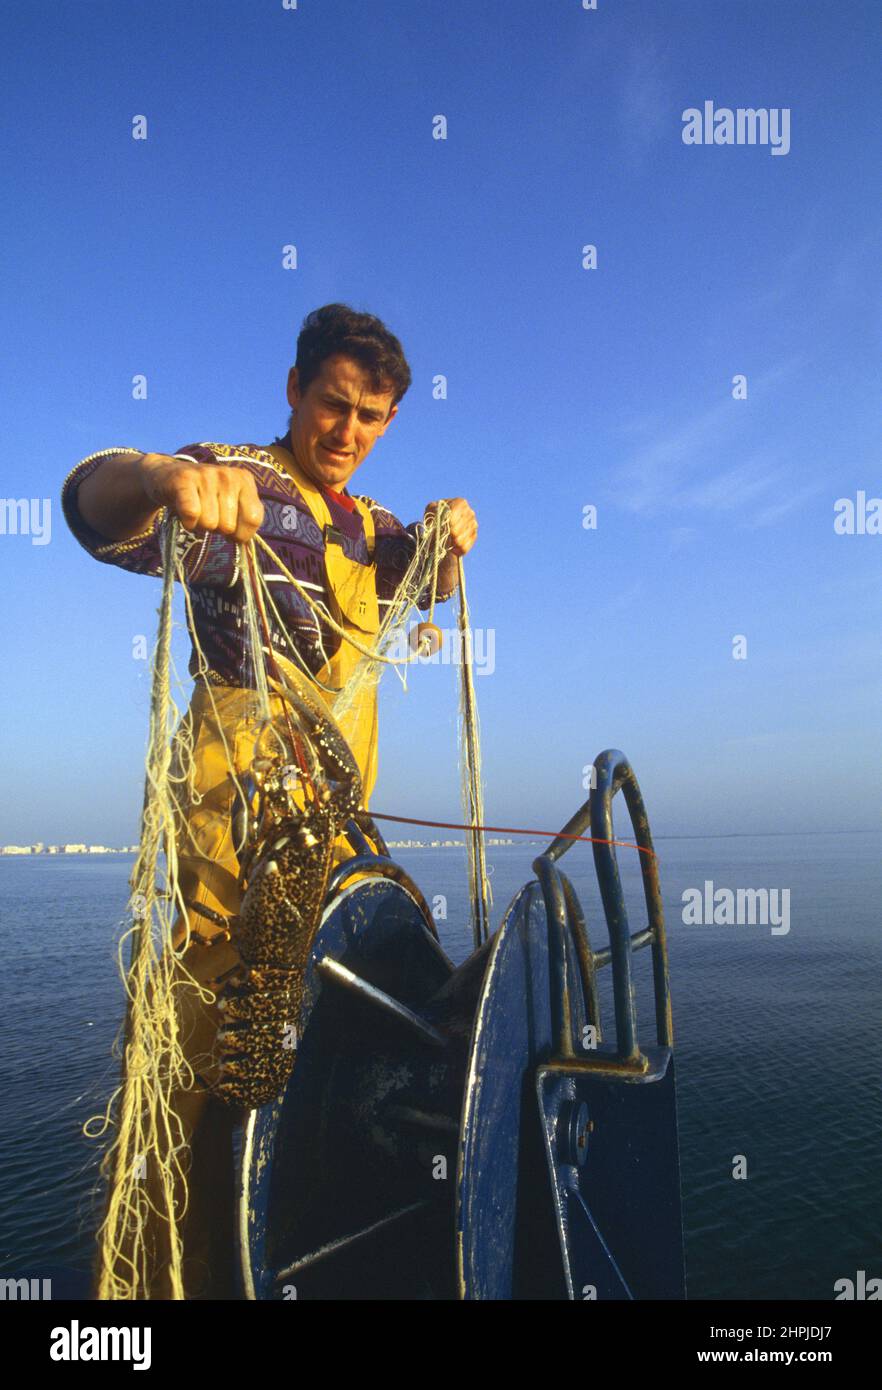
273, 933
278, 919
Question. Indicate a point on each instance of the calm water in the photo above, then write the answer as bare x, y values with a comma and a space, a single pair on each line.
778, 1046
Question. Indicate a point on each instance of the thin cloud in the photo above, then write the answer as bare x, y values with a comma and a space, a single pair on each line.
735, 487
789, 500
790, 276
646, 100
680, 538
676, 469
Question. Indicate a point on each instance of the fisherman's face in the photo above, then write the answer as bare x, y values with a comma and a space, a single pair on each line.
337, 420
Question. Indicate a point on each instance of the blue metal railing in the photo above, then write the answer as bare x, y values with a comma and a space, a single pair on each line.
613, 773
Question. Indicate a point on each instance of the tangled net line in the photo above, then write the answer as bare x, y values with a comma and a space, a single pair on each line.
154, 1066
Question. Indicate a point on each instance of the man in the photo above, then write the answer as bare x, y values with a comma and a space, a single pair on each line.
349, 376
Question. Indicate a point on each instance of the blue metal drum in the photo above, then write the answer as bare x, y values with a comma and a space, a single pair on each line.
467, 1133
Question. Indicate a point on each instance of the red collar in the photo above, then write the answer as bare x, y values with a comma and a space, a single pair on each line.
341, 498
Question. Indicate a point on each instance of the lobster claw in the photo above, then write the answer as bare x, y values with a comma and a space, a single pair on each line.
327, 743
244, 820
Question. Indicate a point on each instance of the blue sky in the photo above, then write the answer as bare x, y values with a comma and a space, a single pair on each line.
566, 387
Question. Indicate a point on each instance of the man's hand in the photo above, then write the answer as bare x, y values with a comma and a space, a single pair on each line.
463, 534
204, 497
463, 525
123, 497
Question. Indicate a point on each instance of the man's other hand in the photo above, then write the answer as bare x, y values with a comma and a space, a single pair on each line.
463, 525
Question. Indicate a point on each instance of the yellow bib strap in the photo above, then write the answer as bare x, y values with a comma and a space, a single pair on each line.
352, 595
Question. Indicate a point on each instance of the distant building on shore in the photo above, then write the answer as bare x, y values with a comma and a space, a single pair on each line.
40, 848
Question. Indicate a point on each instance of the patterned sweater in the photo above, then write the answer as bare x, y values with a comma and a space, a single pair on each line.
211, 561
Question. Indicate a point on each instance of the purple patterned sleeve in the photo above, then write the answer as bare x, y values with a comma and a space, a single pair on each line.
209, 559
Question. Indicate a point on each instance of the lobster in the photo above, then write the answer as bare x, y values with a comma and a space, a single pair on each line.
285, 854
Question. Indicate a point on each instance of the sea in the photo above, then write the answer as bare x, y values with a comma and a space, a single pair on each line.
778, 1047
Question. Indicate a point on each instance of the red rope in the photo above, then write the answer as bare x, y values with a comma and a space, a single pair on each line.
513, 830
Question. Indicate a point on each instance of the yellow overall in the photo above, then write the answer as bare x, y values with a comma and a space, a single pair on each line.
208, 874
208, 865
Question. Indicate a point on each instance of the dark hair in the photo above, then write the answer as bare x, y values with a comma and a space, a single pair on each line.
339, 328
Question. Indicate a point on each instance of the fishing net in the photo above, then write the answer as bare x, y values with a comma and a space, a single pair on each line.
145, 1163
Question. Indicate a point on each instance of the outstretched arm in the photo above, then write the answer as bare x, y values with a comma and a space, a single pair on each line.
123, 496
